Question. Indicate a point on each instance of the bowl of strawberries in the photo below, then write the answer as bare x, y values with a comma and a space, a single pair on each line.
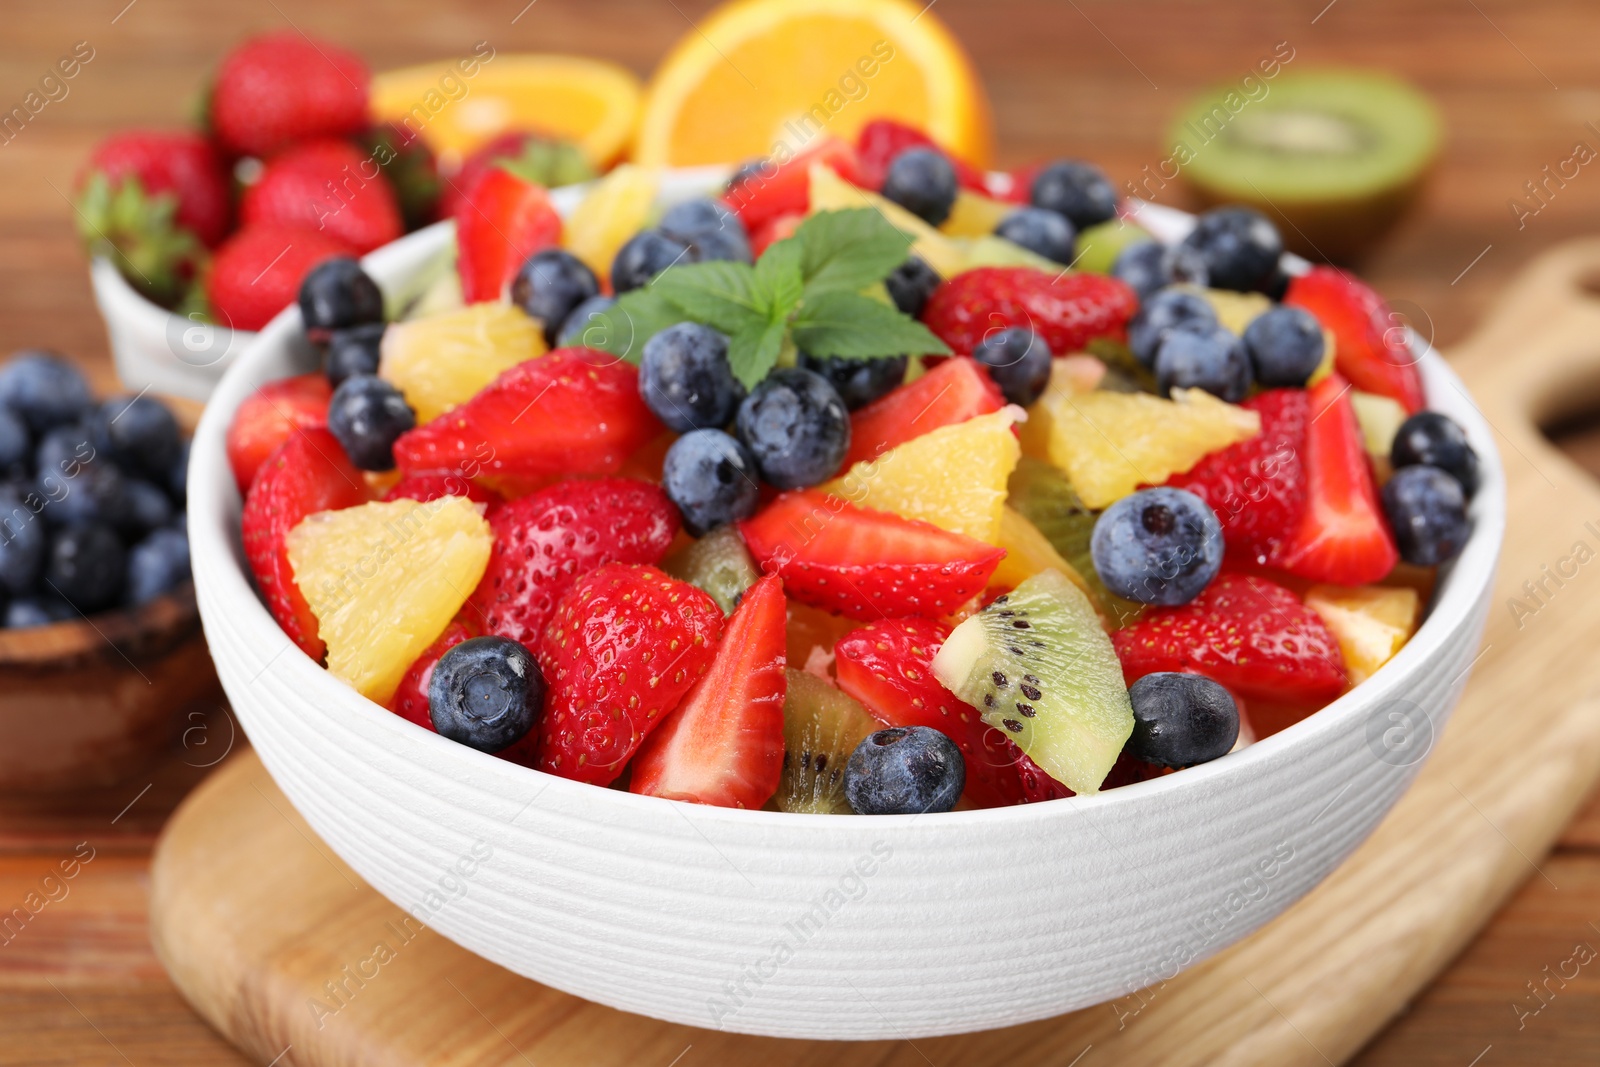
833, 616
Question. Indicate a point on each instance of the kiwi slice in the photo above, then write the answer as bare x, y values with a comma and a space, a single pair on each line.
821, 728
1037, 665
1099, 246
717, 564
1334, 156
1044, 496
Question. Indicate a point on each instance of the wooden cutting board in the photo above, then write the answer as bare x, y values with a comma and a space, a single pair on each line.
273, 939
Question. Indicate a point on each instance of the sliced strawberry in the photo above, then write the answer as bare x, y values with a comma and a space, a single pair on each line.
1038, 786
432, 485
1257, 487
1246, 633
866, 564
954, 391
785, 189
573, 412
410, 701
625, 644
1370, 349
308, 473
882, 139
545, 542
1343, 537
268, 416
1068, 310
1015, 187
499, 224
774, 230
724, 744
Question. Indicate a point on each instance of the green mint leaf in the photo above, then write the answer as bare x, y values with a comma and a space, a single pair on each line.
846, 251
623, 328
859, 327
753, 351
778, 280
722, 294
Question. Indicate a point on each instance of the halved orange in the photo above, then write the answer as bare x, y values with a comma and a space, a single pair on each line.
588, 101
760, 73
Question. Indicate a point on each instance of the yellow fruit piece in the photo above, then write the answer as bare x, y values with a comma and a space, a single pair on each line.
1234, 310
1379, 418
444, 360
829, 192
1028, 552
758, 74
1069, 376
954, 477
992, 251
1371, 623
975, 215
614, 211
385, 579
457, 105
1109, 444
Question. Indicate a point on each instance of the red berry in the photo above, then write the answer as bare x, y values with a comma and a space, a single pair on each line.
625, 645
410, 701
1067, 310
257, 272
786, 189
181, 164
330, 187
1370, 349
724, 745
500, 223
1246, 633
268, 416
431, 485
954, 391
545, 542
280, 88
882, 139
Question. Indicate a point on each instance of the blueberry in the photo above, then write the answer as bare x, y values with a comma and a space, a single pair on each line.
796, 427
22, 544
712, 479
684, 377
549, 284
157, 565
1039, 230
1213, 360
147, 506
1157, 546
1239, 245
1163, 312
904, 770
485, 693
910, 284
719, 245
1434, 439
1078, 191
1285, 346
44, 390
922, 181
76, 483
1185, 266
1142, 265
859, 381
337, 294
1019, 362
177, 479
16, 445
87, 566
1427, 511
368, 415
575, 328
63, 451
27, 612
710, 229
646, 254
354, 350
136, 433
1180, 720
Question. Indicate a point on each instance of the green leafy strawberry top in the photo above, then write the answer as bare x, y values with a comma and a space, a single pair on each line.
806, 292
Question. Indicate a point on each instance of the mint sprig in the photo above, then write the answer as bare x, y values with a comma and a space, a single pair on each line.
805, 290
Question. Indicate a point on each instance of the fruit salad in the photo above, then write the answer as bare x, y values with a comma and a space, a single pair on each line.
868, 483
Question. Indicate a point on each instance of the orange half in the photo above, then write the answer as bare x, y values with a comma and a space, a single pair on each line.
757, 74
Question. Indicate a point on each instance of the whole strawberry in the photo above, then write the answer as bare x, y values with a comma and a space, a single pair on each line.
410, 167
328, 186
179, 163
279, 88
625, 644
1068, 310
257, 272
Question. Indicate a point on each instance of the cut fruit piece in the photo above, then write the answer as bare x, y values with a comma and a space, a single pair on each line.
1068, 309
812, 635
1069, 376
724, 744
830, 192
1379, 418
1111, 443
446, 360
1370, 349
866, 564
384, 579
975, 215
1235, 311
717, 564
589, 101
1335, 156
1372, 623
954, 477
268, 416
1099, 246
777, 190
993, 251
821, 728
615, 209
954, 391
1028, 552
501, 221
916, 70
1037, 664
410, 700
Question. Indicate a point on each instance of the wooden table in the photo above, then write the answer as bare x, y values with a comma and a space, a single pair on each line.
78, 984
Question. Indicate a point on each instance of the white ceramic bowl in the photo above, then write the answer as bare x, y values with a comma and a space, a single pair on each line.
822, 926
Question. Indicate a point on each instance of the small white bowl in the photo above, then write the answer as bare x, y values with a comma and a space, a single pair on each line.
814, 926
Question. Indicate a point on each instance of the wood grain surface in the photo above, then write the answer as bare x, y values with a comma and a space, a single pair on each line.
1516, 84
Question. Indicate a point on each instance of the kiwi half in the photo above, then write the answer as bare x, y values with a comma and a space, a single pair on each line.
718, 564
1334, 156
822, 725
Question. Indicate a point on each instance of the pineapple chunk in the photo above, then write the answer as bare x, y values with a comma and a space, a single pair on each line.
444, 360
1111, 443
1234, 310
1069, 376
1380, 418
1371, 623
992, 251
954, 477
975, 215
829, 192
614, 211
384, 579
